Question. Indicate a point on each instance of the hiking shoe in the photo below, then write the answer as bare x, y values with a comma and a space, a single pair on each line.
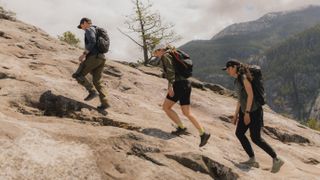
251, 162
276, 165
103, 107
75, 75
204, 139
179, 131
92, 95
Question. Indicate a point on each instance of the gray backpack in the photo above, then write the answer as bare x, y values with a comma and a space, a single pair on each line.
103, 40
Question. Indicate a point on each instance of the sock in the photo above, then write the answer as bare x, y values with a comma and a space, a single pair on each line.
180, 125
201, 131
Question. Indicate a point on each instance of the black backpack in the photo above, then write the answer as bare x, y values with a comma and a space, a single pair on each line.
182, 63
103, 40
257, 84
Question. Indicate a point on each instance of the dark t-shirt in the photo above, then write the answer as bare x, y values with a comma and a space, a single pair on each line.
242, 95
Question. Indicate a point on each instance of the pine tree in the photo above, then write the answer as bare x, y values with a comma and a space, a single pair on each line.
150, 28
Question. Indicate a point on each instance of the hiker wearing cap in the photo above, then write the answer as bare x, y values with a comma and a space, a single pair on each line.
92, 61
249, 111
179, 89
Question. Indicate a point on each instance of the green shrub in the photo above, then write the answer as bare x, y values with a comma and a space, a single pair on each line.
313, 124
69, 38
8, 15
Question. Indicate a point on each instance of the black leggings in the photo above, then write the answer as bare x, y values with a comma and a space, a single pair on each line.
255, 126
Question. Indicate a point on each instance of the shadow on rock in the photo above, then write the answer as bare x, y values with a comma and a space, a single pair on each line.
242, 167
284, 136
205, 165
135, 145
60, 106
141, 152
158, 133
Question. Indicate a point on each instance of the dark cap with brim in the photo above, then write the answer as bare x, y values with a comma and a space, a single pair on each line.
231, 62
84, 20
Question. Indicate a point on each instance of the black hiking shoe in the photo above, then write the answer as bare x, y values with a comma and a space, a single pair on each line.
204, 139
102, 109
179, 131
92, 95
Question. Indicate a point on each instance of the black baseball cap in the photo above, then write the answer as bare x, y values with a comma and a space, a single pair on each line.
84, 20
231, 62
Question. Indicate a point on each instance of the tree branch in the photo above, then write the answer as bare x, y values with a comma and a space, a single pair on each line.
130, 37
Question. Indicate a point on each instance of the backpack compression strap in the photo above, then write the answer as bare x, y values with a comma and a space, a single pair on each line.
176, 56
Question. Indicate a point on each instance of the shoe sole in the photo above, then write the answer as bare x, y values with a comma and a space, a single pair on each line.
184, 133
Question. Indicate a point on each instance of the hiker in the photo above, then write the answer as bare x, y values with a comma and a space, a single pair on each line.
179, 89
249, 112
91, 61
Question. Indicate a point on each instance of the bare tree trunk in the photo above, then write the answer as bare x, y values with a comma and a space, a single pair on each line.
144, 42
148, 26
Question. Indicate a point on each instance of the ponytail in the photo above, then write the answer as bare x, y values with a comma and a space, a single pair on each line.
170, 48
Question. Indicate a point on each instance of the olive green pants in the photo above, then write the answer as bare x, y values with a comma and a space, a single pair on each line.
93, 65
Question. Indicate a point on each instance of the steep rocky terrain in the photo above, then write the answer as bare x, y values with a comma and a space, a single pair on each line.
48, 132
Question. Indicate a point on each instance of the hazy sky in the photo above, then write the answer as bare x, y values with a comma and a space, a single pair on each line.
193, 19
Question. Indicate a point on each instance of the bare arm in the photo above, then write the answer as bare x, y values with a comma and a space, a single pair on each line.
237, 110
235, 117
248, 88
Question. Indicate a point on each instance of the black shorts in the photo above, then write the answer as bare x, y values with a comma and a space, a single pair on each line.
182, 92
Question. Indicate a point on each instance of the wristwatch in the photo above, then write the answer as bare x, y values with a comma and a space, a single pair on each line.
247, 111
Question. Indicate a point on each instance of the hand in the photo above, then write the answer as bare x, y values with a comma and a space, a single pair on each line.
234, 120
247, 119
170, 91
82, 57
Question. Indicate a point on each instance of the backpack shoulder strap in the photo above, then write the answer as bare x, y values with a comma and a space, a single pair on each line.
240, 79
173, 54
93, 28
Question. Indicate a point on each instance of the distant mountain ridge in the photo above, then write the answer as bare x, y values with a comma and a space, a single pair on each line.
249, 27
266, 41
246, 40
292, 73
